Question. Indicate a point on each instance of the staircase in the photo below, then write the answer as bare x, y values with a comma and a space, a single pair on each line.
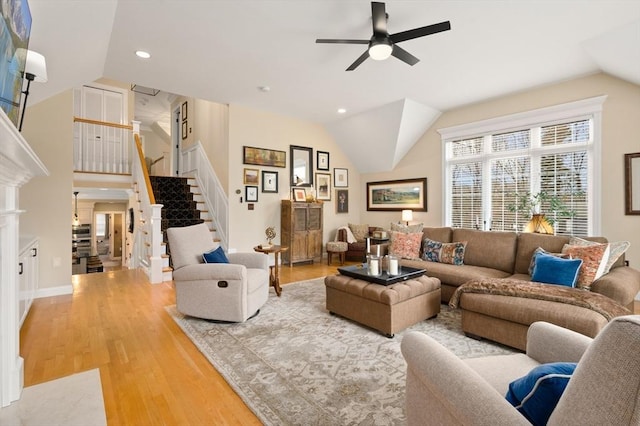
183, 205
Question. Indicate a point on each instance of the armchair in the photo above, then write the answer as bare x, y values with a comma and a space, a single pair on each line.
357, 251
604, 389
217, 291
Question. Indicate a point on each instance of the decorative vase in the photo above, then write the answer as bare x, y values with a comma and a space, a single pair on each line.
539, 224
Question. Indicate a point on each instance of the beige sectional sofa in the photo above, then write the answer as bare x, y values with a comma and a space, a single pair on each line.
504, 318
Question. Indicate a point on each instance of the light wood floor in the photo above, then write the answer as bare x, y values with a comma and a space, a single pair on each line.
151, 372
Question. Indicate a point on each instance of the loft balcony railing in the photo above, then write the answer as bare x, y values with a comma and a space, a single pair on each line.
102, 147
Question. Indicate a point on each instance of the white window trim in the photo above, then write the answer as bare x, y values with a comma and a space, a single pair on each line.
585, 108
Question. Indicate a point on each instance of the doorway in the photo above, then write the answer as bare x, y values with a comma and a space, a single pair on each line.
109, 241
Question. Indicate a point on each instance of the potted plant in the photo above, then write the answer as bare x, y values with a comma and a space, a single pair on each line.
536, 205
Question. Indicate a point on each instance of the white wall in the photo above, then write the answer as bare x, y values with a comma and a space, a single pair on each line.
620, 135
48, 127
248, 127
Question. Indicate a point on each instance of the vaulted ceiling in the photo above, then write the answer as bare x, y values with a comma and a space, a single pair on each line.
224, 50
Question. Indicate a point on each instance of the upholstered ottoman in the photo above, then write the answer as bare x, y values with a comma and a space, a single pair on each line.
339, 247
388, 309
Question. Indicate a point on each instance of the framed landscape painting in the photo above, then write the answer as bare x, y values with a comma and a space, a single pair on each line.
396, 195
263, 157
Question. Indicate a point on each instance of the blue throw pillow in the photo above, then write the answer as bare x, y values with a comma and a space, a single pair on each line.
537, 394
555, 270
215, 256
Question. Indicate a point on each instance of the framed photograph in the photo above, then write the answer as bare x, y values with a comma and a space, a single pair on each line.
340, 178
342, 201
184, 129
323, 186
632, 183
269, 181
250, 176
299, 194
396, 195
322, 159
183, 112
263, 157
251, 194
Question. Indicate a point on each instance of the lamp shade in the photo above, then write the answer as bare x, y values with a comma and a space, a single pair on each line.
380, 49
407, 215
37, 66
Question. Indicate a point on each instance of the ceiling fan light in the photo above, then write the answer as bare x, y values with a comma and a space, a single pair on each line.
380, 51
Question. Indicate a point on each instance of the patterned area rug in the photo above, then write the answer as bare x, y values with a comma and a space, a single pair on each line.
295, 364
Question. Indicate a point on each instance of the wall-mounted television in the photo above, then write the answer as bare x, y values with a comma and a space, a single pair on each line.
15, 28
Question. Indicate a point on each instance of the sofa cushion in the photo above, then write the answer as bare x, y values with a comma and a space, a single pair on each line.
215, 256
555, 270
436, 251
491, 249
594, 259
616, 250
438, 234
537, 394
405, 245
454, 275
360, 232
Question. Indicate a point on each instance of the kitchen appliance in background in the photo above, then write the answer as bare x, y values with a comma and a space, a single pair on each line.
81, 240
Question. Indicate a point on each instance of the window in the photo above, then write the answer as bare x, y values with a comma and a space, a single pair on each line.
552, 150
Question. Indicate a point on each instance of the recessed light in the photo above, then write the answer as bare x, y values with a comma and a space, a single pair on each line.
341, 110
264, 88
142, 54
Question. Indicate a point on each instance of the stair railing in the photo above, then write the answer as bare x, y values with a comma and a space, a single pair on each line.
147, 249
101, 147
196, 164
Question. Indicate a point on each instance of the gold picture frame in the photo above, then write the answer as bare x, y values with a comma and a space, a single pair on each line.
397, 195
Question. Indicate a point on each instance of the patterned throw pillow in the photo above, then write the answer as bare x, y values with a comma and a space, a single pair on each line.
405, 245
594, 260
360, 232
616, 250
409, 229
436, 251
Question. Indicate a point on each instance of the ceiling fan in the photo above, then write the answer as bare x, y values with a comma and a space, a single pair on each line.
382, 44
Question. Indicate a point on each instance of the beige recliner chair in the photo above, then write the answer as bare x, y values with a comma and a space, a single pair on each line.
604, 389
231, 291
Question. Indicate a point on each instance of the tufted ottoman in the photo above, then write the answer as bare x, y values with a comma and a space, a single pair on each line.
339, 247
388, 309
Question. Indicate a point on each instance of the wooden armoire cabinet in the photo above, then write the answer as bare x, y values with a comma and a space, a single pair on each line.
301, 231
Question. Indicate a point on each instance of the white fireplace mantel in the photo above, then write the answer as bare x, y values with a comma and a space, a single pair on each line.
18, 164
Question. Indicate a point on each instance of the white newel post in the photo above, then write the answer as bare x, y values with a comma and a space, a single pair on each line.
18, 164
155, 260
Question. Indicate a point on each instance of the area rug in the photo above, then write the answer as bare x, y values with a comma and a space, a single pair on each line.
295, 364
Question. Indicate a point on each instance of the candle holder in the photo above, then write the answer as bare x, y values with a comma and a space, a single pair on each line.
393, 265
374, 265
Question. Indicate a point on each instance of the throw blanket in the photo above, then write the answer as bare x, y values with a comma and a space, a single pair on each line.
599, 303
350, 237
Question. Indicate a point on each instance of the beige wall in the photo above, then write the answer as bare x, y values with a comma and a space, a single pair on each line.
266, 130
48, 128
620, 135
211, 128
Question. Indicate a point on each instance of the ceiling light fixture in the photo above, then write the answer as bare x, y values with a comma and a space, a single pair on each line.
380, 48
341, 110
142, 54
264, 89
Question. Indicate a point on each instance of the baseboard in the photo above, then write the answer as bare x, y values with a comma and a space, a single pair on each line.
54, 291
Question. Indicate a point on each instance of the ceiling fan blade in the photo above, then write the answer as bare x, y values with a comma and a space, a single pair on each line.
341, 41
403, 55
379, 17
420, 32
358, 61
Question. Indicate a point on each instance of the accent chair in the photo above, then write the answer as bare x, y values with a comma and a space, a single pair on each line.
603, 390
232, 291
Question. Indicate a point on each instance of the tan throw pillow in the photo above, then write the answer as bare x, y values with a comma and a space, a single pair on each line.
406, 246
616, 250
594, 260
407, 229
360, 232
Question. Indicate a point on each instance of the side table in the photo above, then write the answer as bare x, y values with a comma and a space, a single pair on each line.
274, 270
